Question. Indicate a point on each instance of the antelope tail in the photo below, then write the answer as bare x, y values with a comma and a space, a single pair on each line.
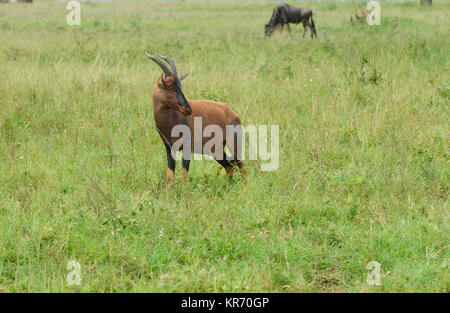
313, 25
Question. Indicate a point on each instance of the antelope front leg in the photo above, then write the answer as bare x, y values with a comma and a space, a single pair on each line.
170, 164
185, 170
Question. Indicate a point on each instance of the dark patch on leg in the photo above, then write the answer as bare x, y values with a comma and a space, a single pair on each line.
170, 159
185, 164
226, 164
170, 164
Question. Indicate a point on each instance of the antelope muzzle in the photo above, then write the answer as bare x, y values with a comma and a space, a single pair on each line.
184, 106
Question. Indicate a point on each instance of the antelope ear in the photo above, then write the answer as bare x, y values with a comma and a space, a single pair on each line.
183, 77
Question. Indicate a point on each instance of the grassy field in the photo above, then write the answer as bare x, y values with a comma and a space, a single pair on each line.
364, 150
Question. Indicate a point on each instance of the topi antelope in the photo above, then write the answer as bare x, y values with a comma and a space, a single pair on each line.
171, 109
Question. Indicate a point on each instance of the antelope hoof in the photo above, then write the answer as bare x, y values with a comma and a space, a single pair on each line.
169, 175
184, 175
229, 171
244, 174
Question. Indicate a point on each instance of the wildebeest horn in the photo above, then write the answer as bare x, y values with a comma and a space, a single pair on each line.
171, 63
160, 63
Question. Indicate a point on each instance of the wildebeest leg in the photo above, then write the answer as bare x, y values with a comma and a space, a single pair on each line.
289, 28
170, 163
304, 27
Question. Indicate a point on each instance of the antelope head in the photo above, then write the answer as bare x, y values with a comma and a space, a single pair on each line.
170, 82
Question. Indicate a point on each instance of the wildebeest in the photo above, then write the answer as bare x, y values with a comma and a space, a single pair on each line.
172, 109
285, 14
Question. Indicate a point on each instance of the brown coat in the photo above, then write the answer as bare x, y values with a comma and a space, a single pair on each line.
169, 112
166, 114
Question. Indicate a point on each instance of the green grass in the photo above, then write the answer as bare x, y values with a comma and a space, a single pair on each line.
364, 150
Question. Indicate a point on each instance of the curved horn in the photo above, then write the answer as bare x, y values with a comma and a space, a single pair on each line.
171, 63
160, 63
